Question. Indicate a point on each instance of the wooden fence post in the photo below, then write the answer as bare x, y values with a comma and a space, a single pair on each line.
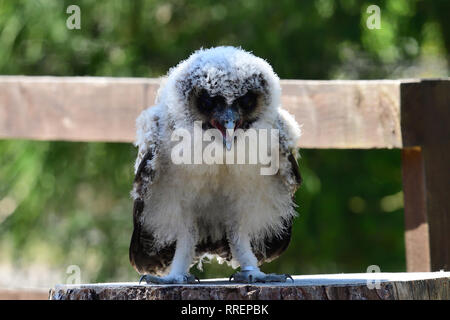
425, 122
416, 225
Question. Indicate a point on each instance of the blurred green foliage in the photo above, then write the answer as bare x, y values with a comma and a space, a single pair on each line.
68, 203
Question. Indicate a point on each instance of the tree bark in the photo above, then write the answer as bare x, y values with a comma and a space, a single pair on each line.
364, 286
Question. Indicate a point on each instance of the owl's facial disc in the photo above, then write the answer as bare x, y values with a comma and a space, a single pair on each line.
226, 117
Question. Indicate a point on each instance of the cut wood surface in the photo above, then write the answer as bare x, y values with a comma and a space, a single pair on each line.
362, 286
334, 114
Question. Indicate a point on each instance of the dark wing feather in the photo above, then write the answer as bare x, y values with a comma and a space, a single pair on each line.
295, 169
143, 256
275, 246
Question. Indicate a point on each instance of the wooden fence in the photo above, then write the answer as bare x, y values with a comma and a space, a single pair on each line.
413, 115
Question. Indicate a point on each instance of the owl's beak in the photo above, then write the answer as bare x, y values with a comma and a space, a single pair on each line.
230, 126
227, 126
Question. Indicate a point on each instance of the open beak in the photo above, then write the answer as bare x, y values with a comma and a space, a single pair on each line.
227, 126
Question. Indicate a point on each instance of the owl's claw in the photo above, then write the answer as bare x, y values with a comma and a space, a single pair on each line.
170, 279
288, 276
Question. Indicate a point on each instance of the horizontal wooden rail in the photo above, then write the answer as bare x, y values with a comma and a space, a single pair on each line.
410, 114
334, 114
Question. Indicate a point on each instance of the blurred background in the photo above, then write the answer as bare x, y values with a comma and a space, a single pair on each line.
65, 203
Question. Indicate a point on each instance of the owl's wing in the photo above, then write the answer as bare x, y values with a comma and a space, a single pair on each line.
289, 134
290, 174
143, 255
295, 170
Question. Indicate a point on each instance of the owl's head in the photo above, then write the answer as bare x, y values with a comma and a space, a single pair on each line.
224, 87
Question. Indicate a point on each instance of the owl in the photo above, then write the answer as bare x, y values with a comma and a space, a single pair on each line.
186, 211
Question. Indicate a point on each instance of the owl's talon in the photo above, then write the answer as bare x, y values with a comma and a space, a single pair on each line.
253, 276
288, 276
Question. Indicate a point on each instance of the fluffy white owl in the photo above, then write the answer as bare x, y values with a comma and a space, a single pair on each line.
186, 211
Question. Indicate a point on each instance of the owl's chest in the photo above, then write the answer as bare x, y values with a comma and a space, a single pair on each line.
206, 184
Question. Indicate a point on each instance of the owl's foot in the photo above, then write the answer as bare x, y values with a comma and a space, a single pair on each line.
252, 276
169, 279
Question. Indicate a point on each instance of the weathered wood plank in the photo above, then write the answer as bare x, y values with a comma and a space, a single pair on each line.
75, 109
417, 243
23, 294
425, 121
345, 114
391, 286
334, 114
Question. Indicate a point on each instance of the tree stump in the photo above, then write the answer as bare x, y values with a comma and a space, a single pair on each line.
358, 286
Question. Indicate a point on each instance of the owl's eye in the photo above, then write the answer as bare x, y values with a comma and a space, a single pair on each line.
247, 101
205, 101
